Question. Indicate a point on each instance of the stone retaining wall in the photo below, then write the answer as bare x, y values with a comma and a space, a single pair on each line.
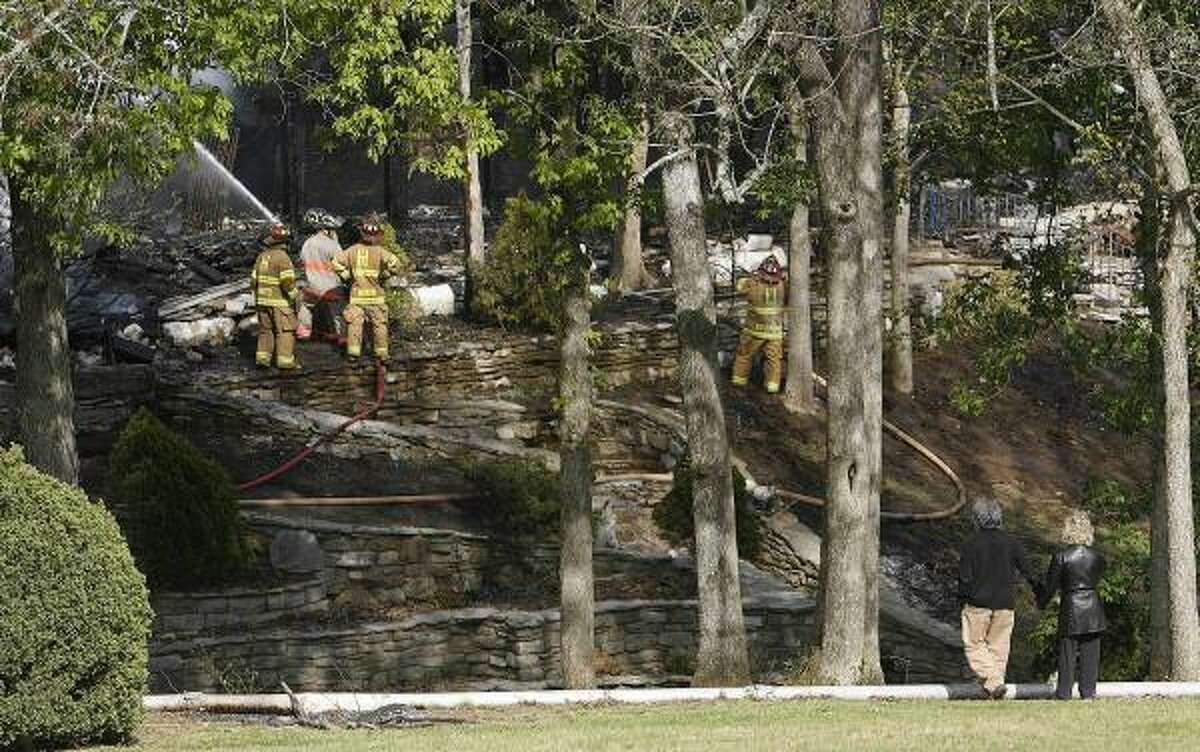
484, 648
393, 565
469, 649
451, 380
244, 640
216, 610
632, 441
397, 566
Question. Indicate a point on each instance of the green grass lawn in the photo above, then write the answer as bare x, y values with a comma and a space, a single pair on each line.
1128, 726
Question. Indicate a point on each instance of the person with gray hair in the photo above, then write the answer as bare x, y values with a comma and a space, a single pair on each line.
1074, 574
987, 569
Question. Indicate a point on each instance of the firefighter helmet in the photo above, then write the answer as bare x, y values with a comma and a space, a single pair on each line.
319, 219
277, 234
371, 225
770, 269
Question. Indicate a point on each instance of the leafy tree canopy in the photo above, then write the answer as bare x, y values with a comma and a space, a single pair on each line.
96, 90
91, 91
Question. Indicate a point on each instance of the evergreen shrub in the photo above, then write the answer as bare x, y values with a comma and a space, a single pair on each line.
177, 508
673, 515
520, 499
74, 616
402, 306
529, 268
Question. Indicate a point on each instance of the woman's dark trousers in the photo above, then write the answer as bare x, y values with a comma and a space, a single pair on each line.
1078, 656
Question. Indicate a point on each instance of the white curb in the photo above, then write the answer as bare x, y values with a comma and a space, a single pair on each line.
318, 702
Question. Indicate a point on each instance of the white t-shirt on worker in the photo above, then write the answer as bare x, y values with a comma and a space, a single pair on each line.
317, 257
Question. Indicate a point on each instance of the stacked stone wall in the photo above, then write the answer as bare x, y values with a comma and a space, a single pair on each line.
188, 614
637, 642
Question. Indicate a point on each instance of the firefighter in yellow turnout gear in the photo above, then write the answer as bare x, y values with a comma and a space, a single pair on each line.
765, 293
273, 280
364, 266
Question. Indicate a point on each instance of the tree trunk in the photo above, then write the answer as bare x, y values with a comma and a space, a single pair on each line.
630, 267
1177, 487
1149, 235
1160, 576
722, 658
900, 366
798, 390
1175, 281
993, 70
575, 567
6, 261
294, 160
849, 162
473, 191
395, 187
863, 20
45, 409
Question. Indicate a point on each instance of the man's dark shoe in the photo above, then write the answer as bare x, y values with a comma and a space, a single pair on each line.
999, 692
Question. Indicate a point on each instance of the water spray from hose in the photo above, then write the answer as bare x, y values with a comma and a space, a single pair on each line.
207, 157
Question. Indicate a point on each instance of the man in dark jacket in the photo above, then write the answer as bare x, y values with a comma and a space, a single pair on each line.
987, 570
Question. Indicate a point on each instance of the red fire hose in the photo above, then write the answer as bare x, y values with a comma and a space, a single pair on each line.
298, 457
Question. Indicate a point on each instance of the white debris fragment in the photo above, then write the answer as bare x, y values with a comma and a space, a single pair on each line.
89, 358
437, 300
214, 331
742, 257
754, 242
1108, 295
134, 332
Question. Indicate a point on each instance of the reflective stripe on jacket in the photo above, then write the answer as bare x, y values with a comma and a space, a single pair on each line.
273, 279
764, 319
364, 267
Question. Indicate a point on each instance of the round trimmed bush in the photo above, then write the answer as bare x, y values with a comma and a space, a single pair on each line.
74, 616
176, 507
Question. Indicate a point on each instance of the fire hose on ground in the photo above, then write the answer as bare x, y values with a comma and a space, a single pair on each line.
919, 448
804, 499
298, 457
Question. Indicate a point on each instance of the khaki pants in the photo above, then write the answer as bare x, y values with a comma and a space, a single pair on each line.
986, 634
276, 337
772, 350
355, 316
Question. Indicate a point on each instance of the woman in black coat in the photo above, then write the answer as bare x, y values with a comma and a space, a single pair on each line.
1074, 574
